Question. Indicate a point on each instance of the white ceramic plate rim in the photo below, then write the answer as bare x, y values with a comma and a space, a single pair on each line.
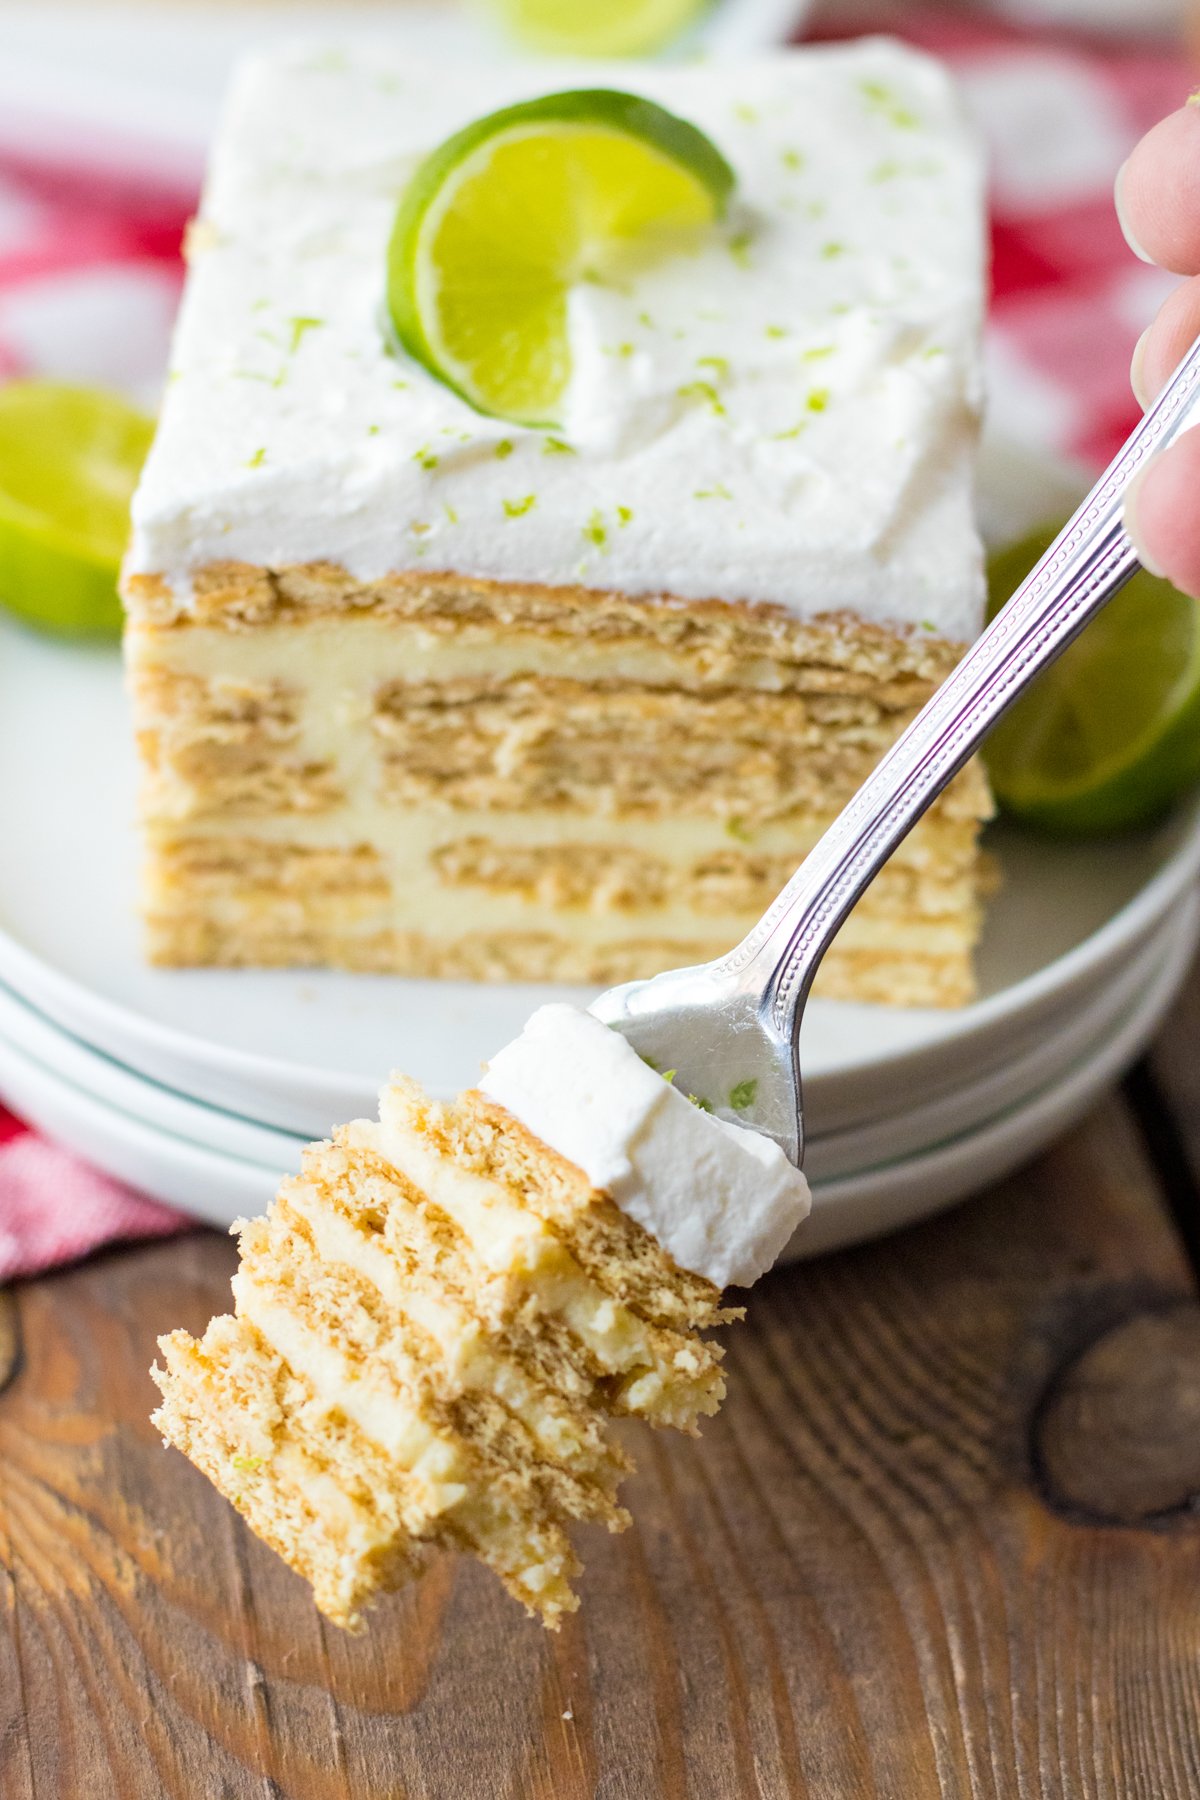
858, 1149
852, 1150
71, 1004
845, 1211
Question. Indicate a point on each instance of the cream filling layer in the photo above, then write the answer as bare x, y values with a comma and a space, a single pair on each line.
419, 899
467, 1357
516, 1245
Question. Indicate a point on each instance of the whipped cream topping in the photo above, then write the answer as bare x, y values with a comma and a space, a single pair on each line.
786, 415
721, 1200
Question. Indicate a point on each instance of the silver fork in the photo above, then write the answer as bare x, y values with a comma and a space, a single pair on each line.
729, 1029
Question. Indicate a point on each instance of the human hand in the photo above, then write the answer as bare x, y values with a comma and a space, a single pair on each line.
1158, 203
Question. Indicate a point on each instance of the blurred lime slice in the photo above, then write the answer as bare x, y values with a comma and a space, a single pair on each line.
69, 461
500, 221
598, 27
1109, 736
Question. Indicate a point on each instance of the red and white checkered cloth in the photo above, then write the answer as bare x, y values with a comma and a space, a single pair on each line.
90, 275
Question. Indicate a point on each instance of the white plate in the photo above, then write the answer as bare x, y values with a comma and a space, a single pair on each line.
296, 1050
870, 1203
36, 1037
1051, 1055
883, 1140
221, 1188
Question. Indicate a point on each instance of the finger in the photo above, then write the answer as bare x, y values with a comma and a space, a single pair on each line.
1161, 349
1162, 518
1158, 194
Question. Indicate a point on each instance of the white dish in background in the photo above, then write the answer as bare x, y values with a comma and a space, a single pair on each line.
882, 1140
297, 1049
988, 1094
885, 1199
37, 1038
220, 1188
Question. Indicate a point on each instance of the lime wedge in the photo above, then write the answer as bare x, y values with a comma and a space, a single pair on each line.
1109, 736
501, 220
69, 462
598, 27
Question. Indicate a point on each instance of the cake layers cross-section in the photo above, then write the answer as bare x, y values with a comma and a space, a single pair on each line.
437, 1321
419, 691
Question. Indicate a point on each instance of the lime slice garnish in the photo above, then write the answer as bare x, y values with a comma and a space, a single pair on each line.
69, 462
1109, 736
501, 220
598, 27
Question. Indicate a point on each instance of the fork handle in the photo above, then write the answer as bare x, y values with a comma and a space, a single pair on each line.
1089, 561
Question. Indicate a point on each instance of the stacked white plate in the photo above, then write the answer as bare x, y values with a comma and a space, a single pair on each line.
201, 1087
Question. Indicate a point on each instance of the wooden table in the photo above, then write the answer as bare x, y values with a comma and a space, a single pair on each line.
944, 1540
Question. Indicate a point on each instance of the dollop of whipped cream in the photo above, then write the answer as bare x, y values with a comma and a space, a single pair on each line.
720, 1199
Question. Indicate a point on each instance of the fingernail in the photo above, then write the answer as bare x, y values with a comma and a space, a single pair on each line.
1130, 513
1137, 371
1130, 239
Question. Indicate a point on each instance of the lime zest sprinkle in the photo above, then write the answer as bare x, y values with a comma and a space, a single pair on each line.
816, 353
699, 1104
886, 171
669, 1075
596, 531
832, 249
718, 364
419, 527
739, 248
624, 515
645, 319
451, 515
882, 100
425, 457
516, 509
795, 431
735, 827
373, 430
503, 448
749, 115
259, 458
818, 400
718, 491
703, 390
742, 1097
791, 159
247, 1465
777, 331
556, 447
301, 323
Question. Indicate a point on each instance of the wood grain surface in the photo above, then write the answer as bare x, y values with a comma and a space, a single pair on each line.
942, 1541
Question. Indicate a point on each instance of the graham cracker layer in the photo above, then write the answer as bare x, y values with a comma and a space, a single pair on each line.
836, 648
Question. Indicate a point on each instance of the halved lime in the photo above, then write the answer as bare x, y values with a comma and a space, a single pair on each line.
1109, 736
501, 220
598, 27
69, 462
